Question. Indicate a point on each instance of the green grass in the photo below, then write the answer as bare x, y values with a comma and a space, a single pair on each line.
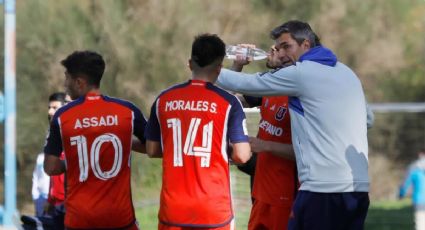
390, 215
383, 215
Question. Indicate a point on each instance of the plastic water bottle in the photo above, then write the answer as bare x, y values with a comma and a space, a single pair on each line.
252, 53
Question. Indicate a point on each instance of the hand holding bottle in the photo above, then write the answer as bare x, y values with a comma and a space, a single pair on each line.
247, 51
241, 58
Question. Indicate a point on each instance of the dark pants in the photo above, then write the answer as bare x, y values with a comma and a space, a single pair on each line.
329, 211
51, 221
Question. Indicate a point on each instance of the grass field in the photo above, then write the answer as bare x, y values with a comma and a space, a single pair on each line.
382, 215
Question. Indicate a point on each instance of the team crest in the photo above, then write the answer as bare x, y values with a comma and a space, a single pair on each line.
280, 113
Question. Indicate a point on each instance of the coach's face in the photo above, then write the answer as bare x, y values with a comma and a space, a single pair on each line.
288, 48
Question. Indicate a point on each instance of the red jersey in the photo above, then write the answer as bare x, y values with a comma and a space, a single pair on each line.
95, 132
194, 122
57, 187
275, 180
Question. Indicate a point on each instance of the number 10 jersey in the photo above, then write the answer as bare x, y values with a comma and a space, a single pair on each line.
95, 132
194, 122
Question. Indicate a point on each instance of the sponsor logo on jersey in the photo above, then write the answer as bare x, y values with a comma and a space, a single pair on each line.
202, 106
271, 129
87, 122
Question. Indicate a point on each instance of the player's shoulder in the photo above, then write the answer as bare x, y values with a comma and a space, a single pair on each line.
120, 101
223, 93
68, 107
173, 88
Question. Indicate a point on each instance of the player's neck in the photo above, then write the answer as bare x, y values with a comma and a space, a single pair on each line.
95, 91
204, 77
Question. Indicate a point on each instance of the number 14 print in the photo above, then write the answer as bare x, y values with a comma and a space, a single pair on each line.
189, 149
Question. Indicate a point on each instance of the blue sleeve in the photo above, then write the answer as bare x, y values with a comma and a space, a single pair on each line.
153, 131
236, 125
406, 184
139, 124
53, 144
282, 81
253, 101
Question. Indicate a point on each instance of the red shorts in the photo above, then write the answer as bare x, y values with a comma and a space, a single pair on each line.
266, 216
229, 226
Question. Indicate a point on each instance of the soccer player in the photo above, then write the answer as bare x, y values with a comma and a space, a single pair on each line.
95, 132
55, 205
329, 129
275, 181
48, 191
190, 126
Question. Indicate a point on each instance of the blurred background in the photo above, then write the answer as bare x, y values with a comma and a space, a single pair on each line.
146, 45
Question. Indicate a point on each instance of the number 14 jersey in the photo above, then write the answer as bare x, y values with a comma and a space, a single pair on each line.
95, 132
194, 122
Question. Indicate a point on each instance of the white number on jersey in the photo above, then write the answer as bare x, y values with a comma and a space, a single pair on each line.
189, 149
81, 142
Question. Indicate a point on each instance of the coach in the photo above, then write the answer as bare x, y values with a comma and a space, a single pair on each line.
329, 129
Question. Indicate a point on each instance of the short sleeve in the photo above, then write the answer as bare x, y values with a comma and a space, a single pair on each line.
53, 144
153, 131
139, 124
237, 130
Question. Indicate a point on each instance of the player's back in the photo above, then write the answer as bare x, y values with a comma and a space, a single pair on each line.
96, 136
194, 120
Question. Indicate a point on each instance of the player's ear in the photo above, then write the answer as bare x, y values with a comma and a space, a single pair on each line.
306, 44
81, 82
189, 64
218, 69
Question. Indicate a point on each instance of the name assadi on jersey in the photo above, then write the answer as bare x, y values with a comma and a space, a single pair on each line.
87, 122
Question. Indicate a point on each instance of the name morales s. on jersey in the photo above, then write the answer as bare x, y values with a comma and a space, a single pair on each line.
95, 132
194, 122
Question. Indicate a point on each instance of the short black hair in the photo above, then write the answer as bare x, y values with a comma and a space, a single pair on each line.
58, 96
89, 63
208, 49
298, 30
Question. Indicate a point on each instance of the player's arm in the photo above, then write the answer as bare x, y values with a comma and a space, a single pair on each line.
405, 187
241, 152
153, 134
53, 165
153, 149
275, 148
137, 145
238, 134
138, 140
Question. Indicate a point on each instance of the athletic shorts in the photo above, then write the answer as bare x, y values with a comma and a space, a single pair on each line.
265, 216
329, 211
